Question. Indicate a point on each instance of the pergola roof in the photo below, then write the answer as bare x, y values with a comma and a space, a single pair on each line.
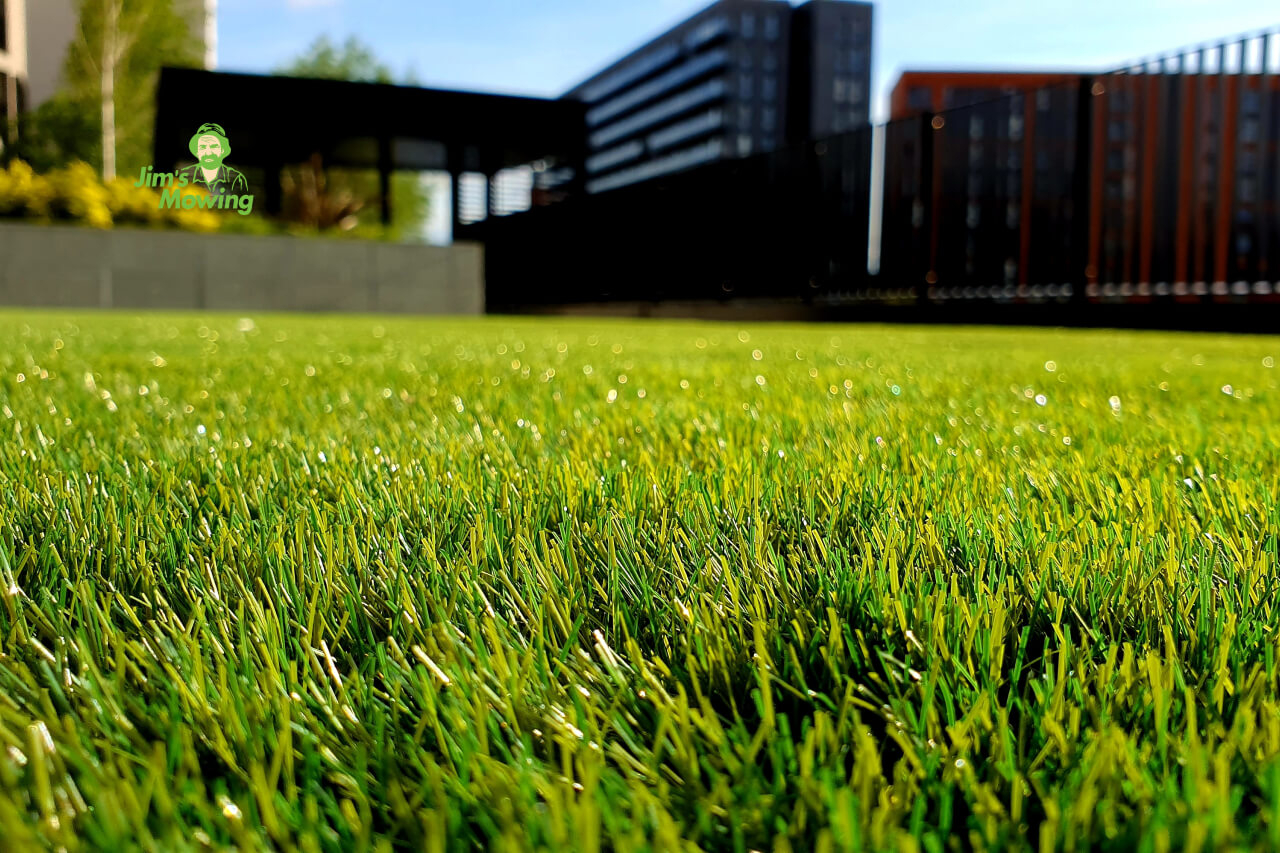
273, 120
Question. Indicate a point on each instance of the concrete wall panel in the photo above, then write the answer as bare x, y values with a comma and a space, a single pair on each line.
59, 265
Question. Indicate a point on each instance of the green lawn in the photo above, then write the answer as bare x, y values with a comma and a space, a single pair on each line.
508, 584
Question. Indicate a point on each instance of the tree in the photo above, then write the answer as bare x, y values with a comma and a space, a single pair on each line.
352, 191
55, 134
352, 61
113, 64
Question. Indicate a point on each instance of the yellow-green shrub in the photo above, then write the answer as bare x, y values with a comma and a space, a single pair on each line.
23, 193
133, 205
196, 219
76, 193
79, 195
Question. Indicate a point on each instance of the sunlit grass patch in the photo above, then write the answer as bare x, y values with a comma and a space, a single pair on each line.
372, 583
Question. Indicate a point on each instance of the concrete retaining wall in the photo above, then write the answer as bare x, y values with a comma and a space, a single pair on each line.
69, 266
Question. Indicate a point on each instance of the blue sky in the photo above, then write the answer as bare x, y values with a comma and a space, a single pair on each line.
544, 47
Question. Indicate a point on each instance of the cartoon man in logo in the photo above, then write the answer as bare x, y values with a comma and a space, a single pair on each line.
210, 147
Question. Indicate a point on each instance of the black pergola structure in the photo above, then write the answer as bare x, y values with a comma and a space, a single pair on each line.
274, 121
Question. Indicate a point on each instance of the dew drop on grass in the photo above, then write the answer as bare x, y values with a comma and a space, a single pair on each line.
229, 809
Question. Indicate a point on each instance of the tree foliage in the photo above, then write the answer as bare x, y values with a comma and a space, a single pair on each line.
59, 132
310, 188
132, 39
353, 60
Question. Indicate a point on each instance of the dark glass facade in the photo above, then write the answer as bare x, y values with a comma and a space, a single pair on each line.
741, 77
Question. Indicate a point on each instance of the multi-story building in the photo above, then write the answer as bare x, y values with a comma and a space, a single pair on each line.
934, 91
1146, 183
737, 78
13, 64
996, 148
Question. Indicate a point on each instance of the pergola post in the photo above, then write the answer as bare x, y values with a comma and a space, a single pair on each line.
385, 166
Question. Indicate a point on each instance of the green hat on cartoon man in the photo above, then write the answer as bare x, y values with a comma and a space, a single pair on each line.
210, 145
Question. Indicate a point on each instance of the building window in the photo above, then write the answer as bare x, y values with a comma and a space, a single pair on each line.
770, 62
748, 25
744, 144
744, 117
1248, 190
920, 98
769, 88
837, 90
745, 87
771, 27
4, 15
857, 59
768, 119
1015, 128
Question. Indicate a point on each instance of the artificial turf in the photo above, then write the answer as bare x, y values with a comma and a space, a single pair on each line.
437, 584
